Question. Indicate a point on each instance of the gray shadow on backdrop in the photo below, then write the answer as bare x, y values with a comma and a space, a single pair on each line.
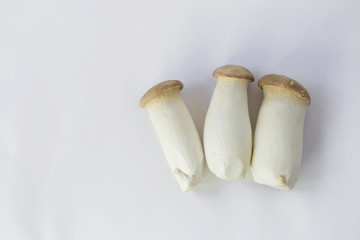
196, 99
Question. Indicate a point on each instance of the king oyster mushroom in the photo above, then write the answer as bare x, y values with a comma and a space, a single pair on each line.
176, 130
227, 129
279, 132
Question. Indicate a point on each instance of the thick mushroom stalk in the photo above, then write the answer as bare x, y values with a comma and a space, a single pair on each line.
176, 130
279, 132
227, 129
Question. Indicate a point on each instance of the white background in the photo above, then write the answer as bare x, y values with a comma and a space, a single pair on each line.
80, 160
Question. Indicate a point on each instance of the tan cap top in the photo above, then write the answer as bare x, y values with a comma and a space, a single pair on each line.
287, 83
160, 89
233, 71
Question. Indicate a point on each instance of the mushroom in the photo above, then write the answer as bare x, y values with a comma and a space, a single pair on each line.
176, 130
279, 132
227, 129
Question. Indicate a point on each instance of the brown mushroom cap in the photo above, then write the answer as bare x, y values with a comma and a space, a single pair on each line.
160, 89
233, 71
287, 83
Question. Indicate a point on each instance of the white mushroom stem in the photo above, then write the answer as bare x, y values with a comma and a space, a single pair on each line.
227, 129
176, 131
279, 132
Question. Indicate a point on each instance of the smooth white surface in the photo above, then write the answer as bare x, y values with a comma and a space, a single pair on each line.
278, 138
80, 160
227, 130
178, 136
